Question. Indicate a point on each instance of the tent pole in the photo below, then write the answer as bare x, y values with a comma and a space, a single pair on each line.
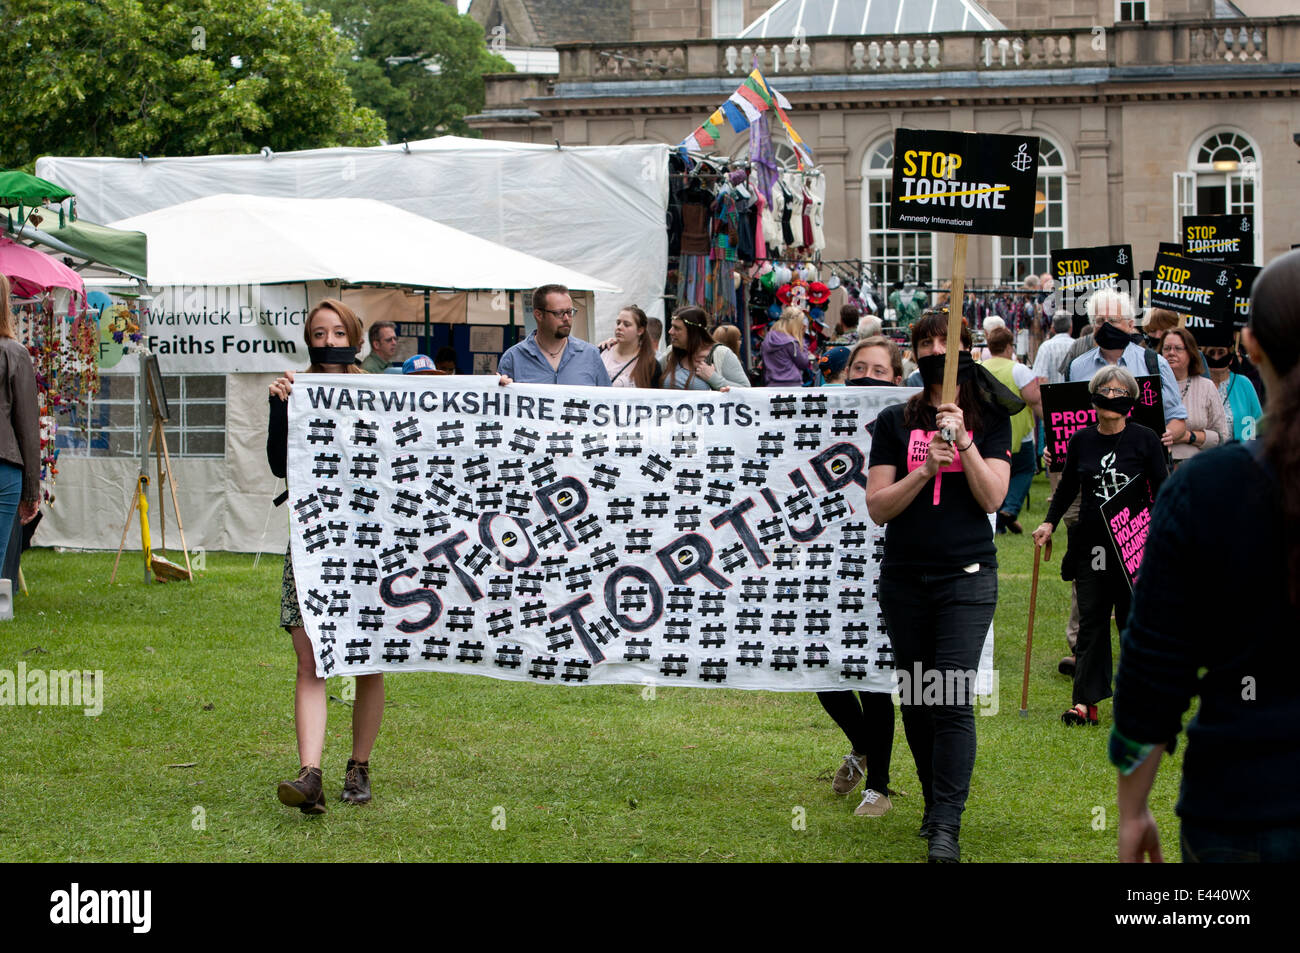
428, 331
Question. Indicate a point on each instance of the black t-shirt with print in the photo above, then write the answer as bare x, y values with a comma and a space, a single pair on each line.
1101, 464
943, 527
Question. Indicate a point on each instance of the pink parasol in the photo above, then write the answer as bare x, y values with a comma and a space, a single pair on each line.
31, 272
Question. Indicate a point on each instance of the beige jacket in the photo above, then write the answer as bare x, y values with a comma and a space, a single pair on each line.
1204, 412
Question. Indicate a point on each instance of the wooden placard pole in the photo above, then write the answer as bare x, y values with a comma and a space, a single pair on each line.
956, 301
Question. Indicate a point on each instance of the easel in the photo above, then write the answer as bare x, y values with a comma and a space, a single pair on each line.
162, 569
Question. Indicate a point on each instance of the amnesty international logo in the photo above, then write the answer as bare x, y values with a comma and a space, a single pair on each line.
1023, 160
1222, 280
1245, 224
1121, 258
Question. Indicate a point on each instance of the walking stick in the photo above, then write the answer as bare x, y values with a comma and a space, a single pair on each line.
1029, 636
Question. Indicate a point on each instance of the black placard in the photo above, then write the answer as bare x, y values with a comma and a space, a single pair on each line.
1221, 238
1145, 280
1078, 272
1128, 521
974, 183
1192, 287
1245, 280
1170, 248
1068, 407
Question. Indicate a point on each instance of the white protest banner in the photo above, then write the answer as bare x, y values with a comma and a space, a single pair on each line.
588, 535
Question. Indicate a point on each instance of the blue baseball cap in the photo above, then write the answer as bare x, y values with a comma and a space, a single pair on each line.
834, 360
419, 364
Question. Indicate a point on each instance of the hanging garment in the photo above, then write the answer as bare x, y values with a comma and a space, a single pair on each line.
805, 209
695, 221
787, 211
772, 224
819, 234
720, 291
762, 157
692, 280
725, 227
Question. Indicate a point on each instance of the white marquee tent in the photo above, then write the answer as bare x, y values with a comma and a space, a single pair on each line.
563, 215
248, 239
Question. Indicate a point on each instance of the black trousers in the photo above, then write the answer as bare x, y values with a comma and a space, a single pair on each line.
1099, 591
867, 720
937, 624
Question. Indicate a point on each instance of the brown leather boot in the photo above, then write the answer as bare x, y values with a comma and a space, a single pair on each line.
304, 792
356, 783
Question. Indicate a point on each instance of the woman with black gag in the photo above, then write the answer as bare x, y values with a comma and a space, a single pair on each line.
1101, 460
938, 580
333, 332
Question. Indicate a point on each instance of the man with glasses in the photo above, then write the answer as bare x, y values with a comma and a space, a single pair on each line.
383, 347
551, 355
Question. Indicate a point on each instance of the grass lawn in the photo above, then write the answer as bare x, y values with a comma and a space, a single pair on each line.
201, 675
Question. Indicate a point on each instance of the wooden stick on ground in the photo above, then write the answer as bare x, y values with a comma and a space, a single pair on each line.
135, 500
1029, 636
171, 485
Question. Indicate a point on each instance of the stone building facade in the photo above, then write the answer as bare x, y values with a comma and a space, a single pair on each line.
1193, 110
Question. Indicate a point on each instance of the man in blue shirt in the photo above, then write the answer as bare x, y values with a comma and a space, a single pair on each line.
550, 355
1114, 346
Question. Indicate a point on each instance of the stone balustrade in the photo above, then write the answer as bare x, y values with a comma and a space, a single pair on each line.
1214, 42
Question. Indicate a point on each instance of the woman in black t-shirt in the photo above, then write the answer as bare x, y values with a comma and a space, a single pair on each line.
938, 580
1101, 461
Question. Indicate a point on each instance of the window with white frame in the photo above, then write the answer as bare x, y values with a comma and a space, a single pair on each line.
894, 255
109, 424
1018, 258
1129, 11
1222, 178
728, 17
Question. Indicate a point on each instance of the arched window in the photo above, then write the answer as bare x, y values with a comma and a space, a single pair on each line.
1016, 258
1222, 178
894, 255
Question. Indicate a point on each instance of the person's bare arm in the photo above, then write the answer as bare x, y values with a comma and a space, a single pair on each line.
1033, 396
1139, 838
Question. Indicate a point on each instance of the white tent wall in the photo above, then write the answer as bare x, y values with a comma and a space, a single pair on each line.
596, 209
224, 501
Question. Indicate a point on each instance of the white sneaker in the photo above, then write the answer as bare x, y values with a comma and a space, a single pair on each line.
873, 804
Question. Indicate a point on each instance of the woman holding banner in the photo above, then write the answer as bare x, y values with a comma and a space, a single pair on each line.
1101, 460
938, 580
1234, 650
333, 333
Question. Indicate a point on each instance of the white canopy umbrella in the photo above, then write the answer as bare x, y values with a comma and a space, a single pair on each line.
247, 239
